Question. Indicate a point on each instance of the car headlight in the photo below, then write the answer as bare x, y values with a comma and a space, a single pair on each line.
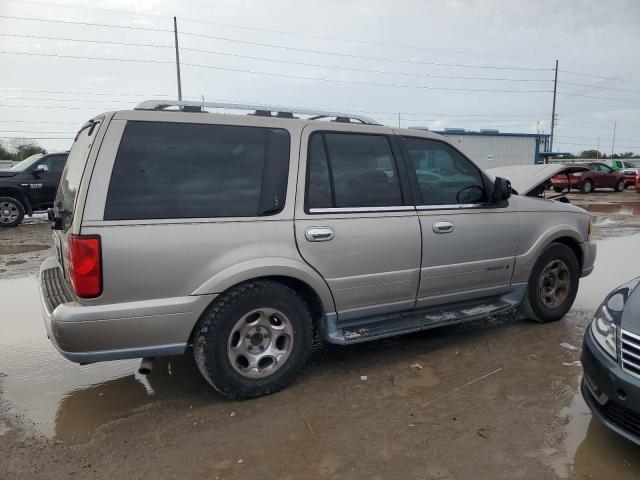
607, 318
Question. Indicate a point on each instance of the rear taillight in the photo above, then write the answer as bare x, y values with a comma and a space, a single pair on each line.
85, 265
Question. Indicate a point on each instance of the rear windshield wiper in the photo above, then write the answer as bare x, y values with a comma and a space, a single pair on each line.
91, 125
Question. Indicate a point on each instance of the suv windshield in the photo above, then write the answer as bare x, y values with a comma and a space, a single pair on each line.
72, 173
26, 163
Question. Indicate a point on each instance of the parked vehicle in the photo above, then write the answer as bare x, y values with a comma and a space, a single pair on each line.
624, 166
588, 178
29, 186
611, 361
241, 235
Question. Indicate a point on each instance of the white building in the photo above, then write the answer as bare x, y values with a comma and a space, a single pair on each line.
491, 148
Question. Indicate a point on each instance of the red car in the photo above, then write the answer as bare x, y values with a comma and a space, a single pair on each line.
589, 177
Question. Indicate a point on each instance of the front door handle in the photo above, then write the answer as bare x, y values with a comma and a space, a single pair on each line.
443, 226
319, 234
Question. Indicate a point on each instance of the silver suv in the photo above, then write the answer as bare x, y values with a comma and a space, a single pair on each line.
241, 236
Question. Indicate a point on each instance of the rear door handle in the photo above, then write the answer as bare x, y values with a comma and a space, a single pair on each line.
319, 234
443, 226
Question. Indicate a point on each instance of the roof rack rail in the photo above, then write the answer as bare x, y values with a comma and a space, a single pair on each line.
258, 110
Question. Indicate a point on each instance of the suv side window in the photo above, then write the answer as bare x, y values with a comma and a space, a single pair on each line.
351, 170
177, 170
444, 175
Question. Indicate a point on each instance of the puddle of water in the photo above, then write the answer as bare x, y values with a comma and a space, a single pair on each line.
621, 208
65, 400
613, 267
13, 249
591, 450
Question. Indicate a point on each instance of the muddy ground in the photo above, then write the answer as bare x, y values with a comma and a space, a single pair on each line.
494, 399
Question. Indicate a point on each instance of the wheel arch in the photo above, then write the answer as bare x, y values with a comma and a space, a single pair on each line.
574, 245
302, 288
564, 234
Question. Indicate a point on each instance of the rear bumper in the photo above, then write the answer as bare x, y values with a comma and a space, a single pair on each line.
589, 250
95, 333
612, 394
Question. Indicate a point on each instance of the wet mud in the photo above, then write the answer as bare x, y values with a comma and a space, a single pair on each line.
497, 398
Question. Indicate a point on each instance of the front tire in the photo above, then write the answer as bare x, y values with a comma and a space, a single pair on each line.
587, 186
553, 285
620, 186
558, 189
11, 212
253, 340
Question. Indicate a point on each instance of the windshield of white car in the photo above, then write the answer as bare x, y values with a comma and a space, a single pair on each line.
26, 163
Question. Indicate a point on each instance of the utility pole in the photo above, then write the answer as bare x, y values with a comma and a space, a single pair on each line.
613, 143
598, 155
398, 119
175, 34
553, 110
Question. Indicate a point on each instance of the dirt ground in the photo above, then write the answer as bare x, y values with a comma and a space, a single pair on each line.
494, 399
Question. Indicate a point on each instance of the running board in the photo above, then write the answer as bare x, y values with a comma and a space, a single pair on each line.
388, 325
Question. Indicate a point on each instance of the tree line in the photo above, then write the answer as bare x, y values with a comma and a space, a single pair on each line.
597, 154
20, 150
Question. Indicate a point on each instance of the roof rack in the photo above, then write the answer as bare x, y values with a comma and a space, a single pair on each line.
258, 110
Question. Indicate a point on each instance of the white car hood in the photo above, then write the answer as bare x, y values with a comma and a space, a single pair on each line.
525, 178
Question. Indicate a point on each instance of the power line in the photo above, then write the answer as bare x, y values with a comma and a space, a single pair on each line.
282, 32
602, 145
38, 122
290, 62
29, 131
599, 86
88, 24
370, 84
38, 138
80, 57
82, 40
276, 74
67, 100
600, 98
365, 70
246, 42
599, 76
144, 95
363, 57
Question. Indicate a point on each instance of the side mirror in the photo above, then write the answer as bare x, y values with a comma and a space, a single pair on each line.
501, 190
39, 169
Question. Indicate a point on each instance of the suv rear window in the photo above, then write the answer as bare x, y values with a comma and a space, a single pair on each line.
183, 170
72, 173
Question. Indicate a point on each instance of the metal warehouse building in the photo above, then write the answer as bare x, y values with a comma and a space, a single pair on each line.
492, 148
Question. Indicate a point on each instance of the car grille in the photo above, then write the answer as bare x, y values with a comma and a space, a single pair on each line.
625, 418
630, 352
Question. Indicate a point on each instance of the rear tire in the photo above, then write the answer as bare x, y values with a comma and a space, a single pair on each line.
587, 186
553, 285
620, 186
253, 340
558, 189
11, 212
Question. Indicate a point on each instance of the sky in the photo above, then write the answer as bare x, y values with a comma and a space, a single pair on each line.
440, 64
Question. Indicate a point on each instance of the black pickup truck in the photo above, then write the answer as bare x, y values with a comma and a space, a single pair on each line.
29, 186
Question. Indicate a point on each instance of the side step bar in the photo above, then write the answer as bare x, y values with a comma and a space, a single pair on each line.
388, 325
